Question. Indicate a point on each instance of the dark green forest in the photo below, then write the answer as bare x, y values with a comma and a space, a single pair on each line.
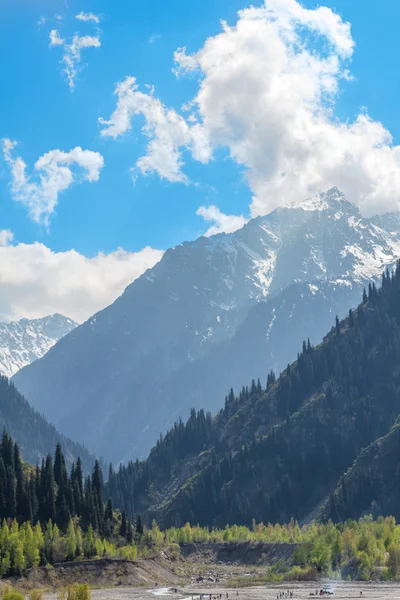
277, 450
372, 483
50, 492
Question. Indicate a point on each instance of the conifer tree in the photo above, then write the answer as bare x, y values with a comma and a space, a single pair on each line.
139, 526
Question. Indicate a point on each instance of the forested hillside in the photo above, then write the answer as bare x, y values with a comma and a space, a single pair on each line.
49, 514
372, 484
279, 452
35, 436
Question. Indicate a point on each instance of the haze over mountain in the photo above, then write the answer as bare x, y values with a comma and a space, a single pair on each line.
311, 439
26, 340
212, 313
35, 436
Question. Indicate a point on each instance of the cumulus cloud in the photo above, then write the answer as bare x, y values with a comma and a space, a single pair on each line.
82, 16
53, 173
55, 38
73, 48
267, 87
35, 281
168, 132
6, 237
222, 223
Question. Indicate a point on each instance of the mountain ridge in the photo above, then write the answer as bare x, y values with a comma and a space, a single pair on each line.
128, 370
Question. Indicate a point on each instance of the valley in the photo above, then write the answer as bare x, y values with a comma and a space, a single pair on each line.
199, 300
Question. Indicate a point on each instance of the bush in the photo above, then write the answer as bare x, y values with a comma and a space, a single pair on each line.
174, 551
11, 594
78, 592
36, 595
83, 592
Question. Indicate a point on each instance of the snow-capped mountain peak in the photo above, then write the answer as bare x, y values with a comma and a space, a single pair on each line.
23, 341
333, 199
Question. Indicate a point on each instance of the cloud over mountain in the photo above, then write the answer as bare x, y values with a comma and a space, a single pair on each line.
35, 281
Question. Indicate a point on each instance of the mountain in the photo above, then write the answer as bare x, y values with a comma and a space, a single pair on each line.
24, 341
35, 436
371, 485
324, 434
211, 314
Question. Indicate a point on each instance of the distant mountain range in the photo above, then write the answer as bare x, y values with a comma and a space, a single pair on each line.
211, 314
24, 341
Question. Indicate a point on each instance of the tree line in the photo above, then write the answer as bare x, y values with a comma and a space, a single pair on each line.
50, 493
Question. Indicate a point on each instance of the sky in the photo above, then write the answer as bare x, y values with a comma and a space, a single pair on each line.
129, 127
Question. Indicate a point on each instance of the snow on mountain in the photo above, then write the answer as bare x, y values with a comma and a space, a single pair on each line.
212, 313
22, 342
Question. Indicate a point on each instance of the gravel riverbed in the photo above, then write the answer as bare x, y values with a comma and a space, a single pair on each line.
342, 591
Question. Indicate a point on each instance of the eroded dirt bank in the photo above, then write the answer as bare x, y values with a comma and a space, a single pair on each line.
105, 573
196, 563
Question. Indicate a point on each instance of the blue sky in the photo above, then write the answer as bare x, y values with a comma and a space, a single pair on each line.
138, 39
39, 111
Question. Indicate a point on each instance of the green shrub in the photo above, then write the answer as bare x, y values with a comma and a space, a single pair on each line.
83, 592
71, 593
79, 591
36, 595
12, 594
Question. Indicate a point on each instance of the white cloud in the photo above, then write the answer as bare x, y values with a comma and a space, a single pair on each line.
167, 131
222, 223
55, 39
82, 16
267, 88
53, 173
35, 281
6, 237
73, 52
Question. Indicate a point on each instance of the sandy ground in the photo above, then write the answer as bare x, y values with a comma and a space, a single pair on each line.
370, 591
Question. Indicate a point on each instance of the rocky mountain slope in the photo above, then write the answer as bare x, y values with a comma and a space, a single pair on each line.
213, 313
24, 341
281, 452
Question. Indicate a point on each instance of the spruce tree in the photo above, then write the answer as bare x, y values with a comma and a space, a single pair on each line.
139, 526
